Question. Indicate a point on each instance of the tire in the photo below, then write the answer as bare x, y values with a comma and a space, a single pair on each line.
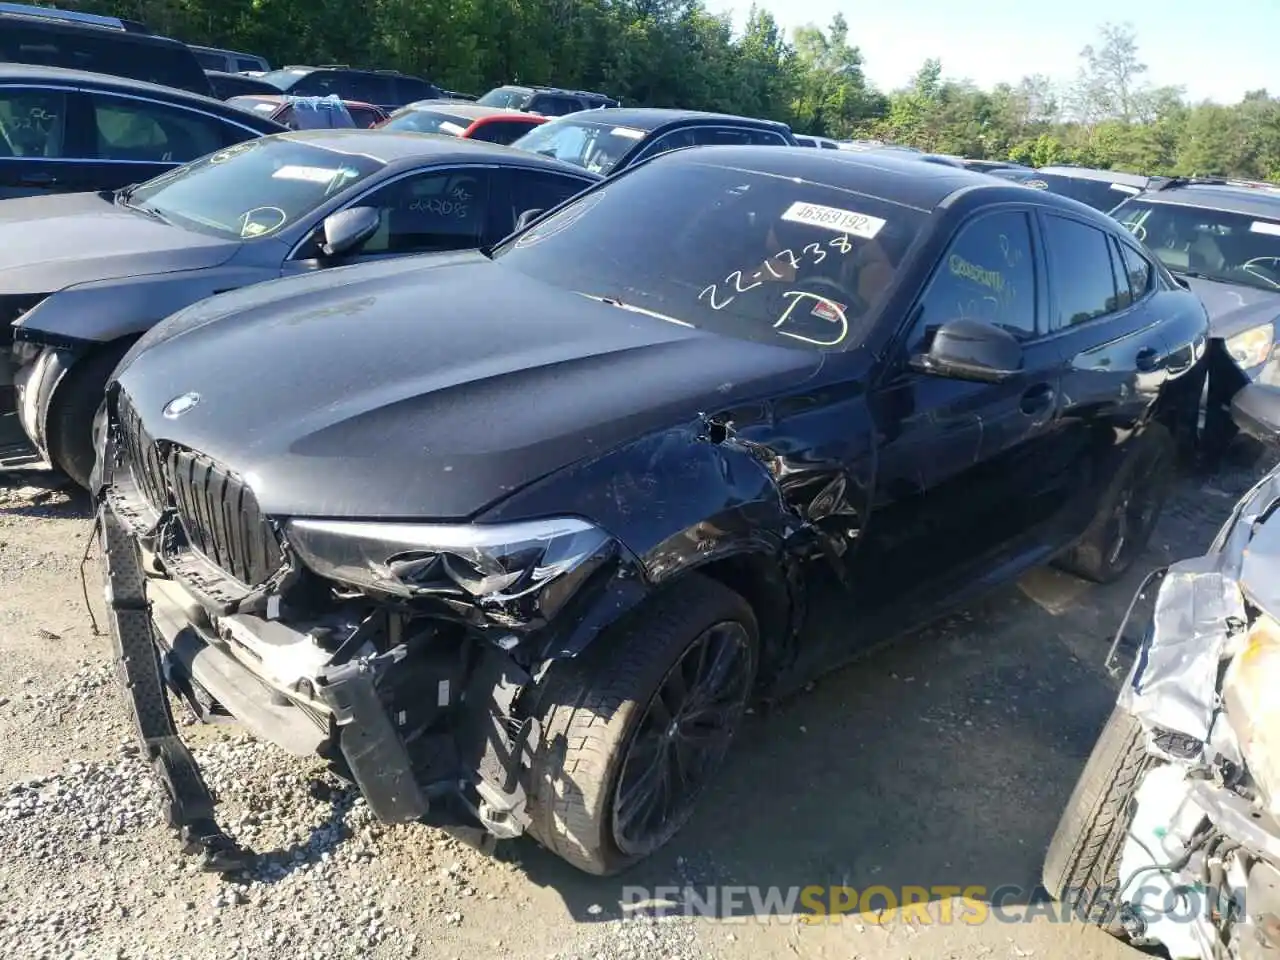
69, 427
1145, 476
592, 708
1082, 865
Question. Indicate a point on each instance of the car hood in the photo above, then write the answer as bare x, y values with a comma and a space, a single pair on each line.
1233, 307
49, 243
428, 387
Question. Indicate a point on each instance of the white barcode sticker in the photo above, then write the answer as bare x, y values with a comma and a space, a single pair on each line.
629, 132
1265, 226
293, 171
833, 218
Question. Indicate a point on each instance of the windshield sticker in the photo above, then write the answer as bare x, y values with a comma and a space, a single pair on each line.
832, 313
783, 265
293, 171
1125, 188
1265, 226
265, 107
833, 218
629, 132
455, 129
260, 221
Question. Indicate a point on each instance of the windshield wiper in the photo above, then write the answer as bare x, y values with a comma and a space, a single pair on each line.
615, 302
124, 194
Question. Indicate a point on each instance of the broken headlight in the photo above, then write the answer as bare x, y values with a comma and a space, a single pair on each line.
1252, 347
412, 559
1249, 695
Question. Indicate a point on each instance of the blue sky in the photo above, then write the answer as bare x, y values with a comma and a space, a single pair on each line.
1182, 42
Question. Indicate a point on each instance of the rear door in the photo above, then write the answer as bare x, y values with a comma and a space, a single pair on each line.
963, 467
37, 142
1109, 316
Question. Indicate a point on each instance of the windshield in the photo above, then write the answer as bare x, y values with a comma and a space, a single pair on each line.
505, 97
251, 190
745, 254
1231, 247
595, 145
427, 121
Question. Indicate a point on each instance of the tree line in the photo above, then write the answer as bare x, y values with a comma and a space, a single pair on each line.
677, 53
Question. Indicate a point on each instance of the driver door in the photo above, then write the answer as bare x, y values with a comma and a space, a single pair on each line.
959, 473
430, 211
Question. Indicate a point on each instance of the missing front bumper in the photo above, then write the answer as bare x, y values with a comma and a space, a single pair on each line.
360, 709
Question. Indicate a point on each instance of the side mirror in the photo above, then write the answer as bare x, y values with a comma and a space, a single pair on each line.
527, 218
971, 350
345, 230
1256, 410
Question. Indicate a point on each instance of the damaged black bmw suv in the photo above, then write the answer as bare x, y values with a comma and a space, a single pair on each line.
513, 537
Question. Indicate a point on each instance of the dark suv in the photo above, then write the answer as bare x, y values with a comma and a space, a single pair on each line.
547, 101
98, 46
513, 537
387, 89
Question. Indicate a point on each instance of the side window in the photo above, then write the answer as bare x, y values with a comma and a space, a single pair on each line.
1083, 285
710, 136
318, 83
363, 117
501, 131
1124, 296
243, 65
369, 88
553, 106
534, 190
767, 138
988, 273
32, 122
438, 210
141, 130
1139, 270
674, 140
211, 61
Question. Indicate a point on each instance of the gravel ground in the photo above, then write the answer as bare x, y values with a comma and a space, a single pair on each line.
944, 759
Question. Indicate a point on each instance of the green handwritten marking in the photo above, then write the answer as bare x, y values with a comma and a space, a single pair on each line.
961, 267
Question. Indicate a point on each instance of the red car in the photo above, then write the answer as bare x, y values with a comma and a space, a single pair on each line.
293, 112
462, 119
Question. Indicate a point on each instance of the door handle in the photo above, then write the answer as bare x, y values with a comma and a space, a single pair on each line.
1148, 359
37, 180
1038, 399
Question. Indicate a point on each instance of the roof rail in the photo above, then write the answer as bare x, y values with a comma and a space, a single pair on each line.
70, 16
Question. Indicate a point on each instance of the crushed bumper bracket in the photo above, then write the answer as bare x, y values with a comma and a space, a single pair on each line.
189, 804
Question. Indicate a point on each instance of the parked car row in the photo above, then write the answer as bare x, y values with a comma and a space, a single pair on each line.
507, 477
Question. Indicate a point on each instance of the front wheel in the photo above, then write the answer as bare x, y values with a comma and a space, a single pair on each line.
1082, 865
69, 428
636, 728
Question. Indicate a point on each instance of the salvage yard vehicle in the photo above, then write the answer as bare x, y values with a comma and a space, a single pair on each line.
388, 89
229, 61
613, 140
83, 275
468, 120
64, 131
49, 38
312, 113
1171, 837
513, 537
228, 85
545, 101
1223, 238
1101, 189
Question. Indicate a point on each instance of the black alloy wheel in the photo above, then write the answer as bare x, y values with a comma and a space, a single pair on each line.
682, 737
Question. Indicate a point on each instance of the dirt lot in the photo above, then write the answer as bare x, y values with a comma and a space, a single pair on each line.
943, 760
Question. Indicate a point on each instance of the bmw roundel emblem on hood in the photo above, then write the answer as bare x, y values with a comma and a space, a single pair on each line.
180, 405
